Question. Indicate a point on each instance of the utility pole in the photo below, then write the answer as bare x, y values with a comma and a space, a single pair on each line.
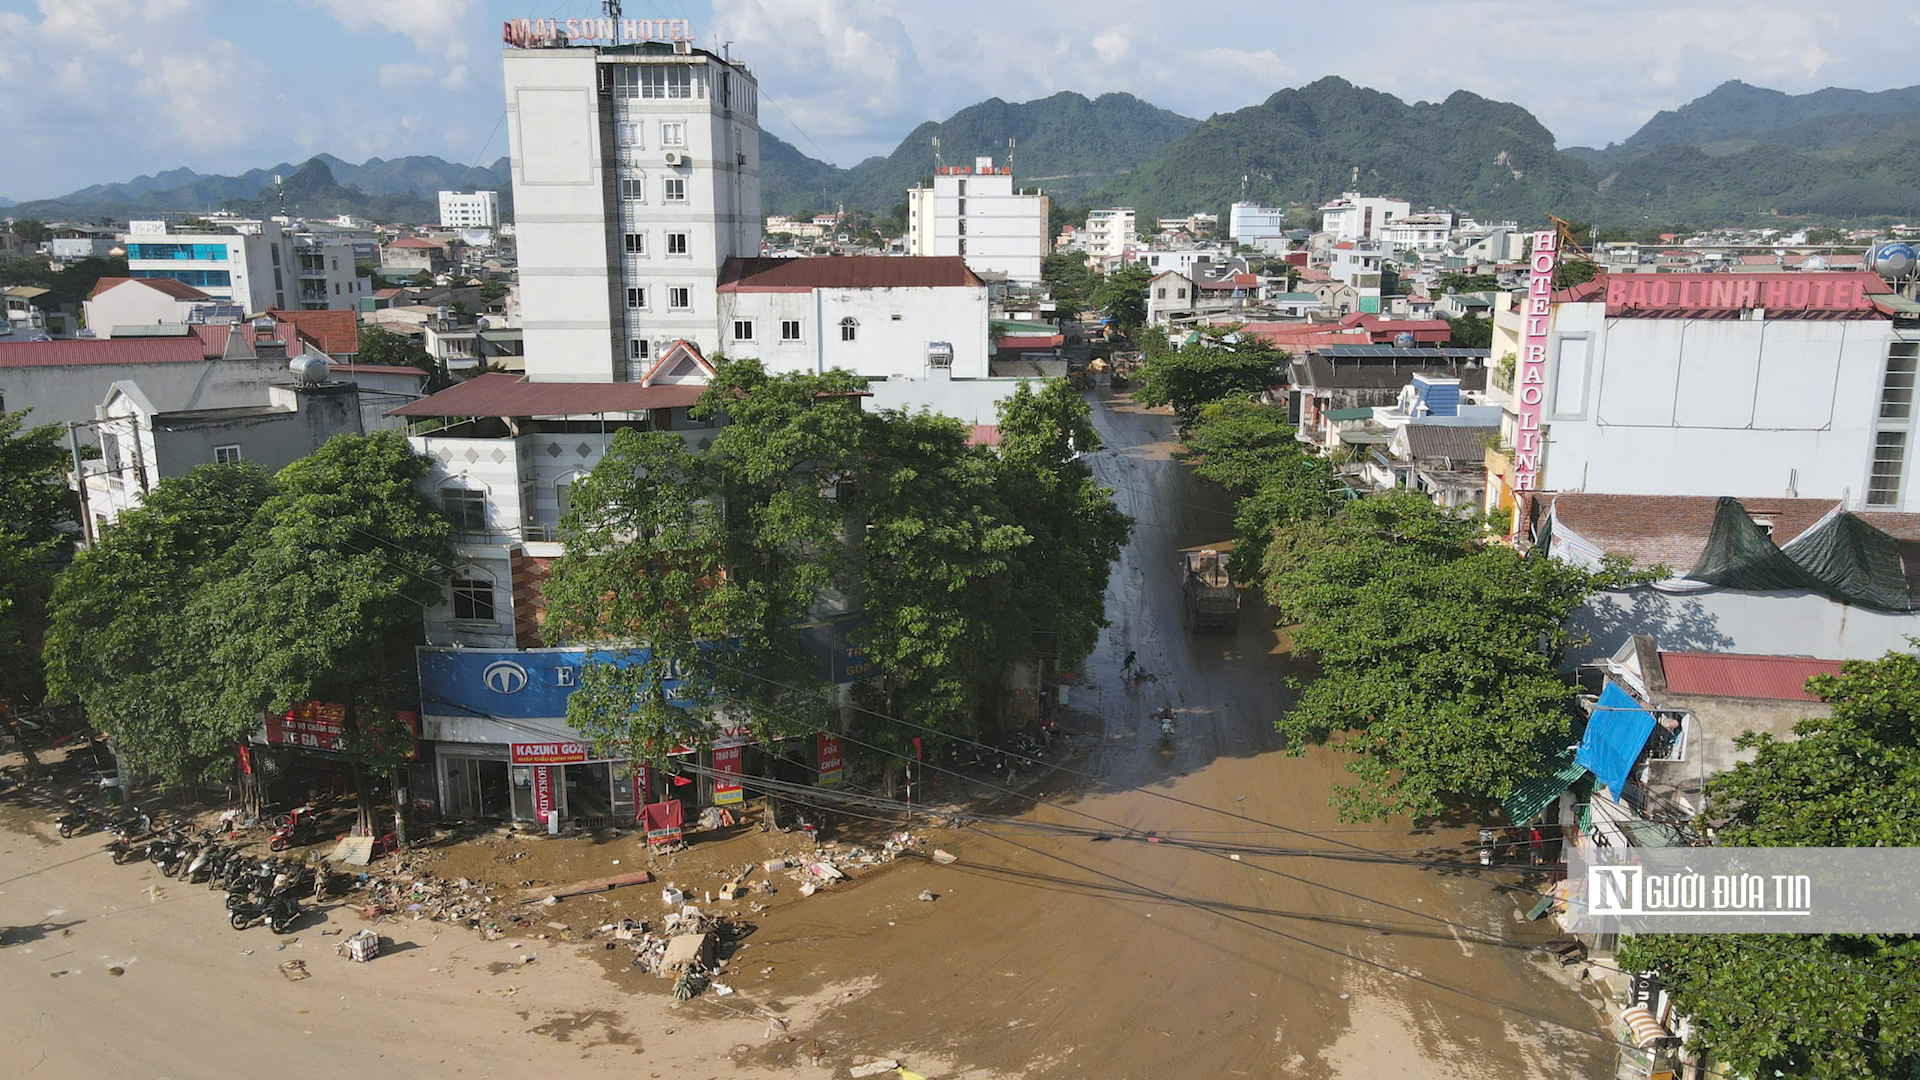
80, 482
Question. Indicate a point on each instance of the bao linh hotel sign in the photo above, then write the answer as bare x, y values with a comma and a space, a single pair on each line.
539, 33
1530, 378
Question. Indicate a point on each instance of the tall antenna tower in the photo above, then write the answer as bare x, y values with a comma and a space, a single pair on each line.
1009, 153
611, 9
936, 154
1243, 187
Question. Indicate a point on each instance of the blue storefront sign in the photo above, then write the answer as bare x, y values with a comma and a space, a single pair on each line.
533, 684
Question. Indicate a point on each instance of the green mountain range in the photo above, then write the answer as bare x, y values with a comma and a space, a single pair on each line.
1739, 155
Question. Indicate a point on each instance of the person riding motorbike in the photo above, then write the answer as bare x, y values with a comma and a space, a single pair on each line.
1165, 716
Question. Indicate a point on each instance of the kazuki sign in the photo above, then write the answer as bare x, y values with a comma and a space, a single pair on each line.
534, 33
1738, 292
1530, 381
547, 753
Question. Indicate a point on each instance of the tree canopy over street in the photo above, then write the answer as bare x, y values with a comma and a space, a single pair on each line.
1836, 1005
1436, 651
1220, 363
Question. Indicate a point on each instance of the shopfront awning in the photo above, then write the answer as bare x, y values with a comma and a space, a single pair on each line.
1616, 733
1529, 797
1642, 1027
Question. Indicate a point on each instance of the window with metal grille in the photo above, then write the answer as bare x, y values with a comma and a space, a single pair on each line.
1896, 389
743, 329
473, 599
789, 329
465, 508
849, 328
226, 455
1889, 463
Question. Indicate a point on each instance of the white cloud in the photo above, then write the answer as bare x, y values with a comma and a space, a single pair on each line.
398, 76
429, 24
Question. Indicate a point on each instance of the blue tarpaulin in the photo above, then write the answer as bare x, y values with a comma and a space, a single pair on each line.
1616, 733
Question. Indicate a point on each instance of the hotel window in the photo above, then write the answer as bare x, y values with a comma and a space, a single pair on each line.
666, 82
679, 297
743, 329
1896, 390
673, 133
1889, 462
849, 328
636, 243
632, 190
789, 329
465, 508
473, 599
629, 134
637, 349
227, 455
676, 243
675, 189
637, 298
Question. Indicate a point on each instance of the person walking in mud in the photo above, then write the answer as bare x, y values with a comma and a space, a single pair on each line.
1126, 667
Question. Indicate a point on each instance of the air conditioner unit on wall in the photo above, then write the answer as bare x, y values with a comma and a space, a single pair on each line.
674, 157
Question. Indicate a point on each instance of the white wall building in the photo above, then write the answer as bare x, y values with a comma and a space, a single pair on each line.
130, 302
975, 212
1258, 227
1781, 385
469, 209
1109, 232
1354, 216
1425, 233
636, 176
253, 269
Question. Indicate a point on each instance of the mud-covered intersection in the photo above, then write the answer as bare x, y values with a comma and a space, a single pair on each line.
1258, 937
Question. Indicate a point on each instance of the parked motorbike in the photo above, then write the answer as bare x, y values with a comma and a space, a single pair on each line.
255, 883
1165, 716
172, 854
200, 867
1487, 847
73, 822
294, 830
279, 911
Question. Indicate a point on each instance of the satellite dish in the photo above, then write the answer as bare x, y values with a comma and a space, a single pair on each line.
1895, 260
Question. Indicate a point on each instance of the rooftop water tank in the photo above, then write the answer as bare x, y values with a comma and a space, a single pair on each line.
309, 370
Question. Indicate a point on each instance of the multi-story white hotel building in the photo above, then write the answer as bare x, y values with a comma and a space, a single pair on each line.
636, 176
1109, 232
470, 209
975, 212
257, 267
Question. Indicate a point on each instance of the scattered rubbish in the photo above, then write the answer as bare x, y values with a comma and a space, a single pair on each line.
722, 989
672, 897
246, 952
944, 858
826, 872
871, 1066
1235, 858
927, 894
353, 850
689, 985
116, 971
685, 951
808, 889
295, 970
774, 866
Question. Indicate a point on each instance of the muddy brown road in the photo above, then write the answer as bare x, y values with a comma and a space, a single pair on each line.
1074, 957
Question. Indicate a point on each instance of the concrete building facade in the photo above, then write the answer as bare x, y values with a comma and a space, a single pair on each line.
975, 212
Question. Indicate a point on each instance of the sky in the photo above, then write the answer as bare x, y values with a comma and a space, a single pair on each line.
104, 90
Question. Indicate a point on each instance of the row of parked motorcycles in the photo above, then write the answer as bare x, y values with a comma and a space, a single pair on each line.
258, 890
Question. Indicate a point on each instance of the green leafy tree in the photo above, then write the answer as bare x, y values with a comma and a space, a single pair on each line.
1123, 296
32, 230
35, 508
1249, 449
379, 345
367, 270
1455, 282
1076, 530
326, 604
1571, 270
1437, 653
1835, 1005
1220, 364
1469, 332
129, 636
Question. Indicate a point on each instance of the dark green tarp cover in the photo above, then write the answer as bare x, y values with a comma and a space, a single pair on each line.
1531, 796
1842, 558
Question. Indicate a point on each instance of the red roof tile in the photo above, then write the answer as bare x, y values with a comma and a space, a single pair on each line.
847, 272
178, 350
1777, 678
502, 394
414, 242
983, 435
379, 369
337, 333
177, 290
1672, 530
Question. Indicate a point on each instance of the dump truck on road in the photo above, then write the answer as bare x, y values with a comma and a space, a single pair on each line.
1213, 602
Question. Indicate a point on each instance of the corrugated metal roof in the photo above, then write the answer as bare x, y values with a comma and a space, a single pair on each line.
101, 351
1450, 441
1364, 412
336, 332
847, 272
502, 394
1775, 678
1529, 797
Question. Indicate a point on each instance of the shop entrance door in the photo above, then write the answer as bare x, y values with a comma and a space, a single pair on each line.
476, 787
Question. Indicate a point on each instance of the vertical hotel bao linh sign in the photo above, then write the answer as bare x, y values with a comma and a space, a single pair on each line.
539, 33
1530, 380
